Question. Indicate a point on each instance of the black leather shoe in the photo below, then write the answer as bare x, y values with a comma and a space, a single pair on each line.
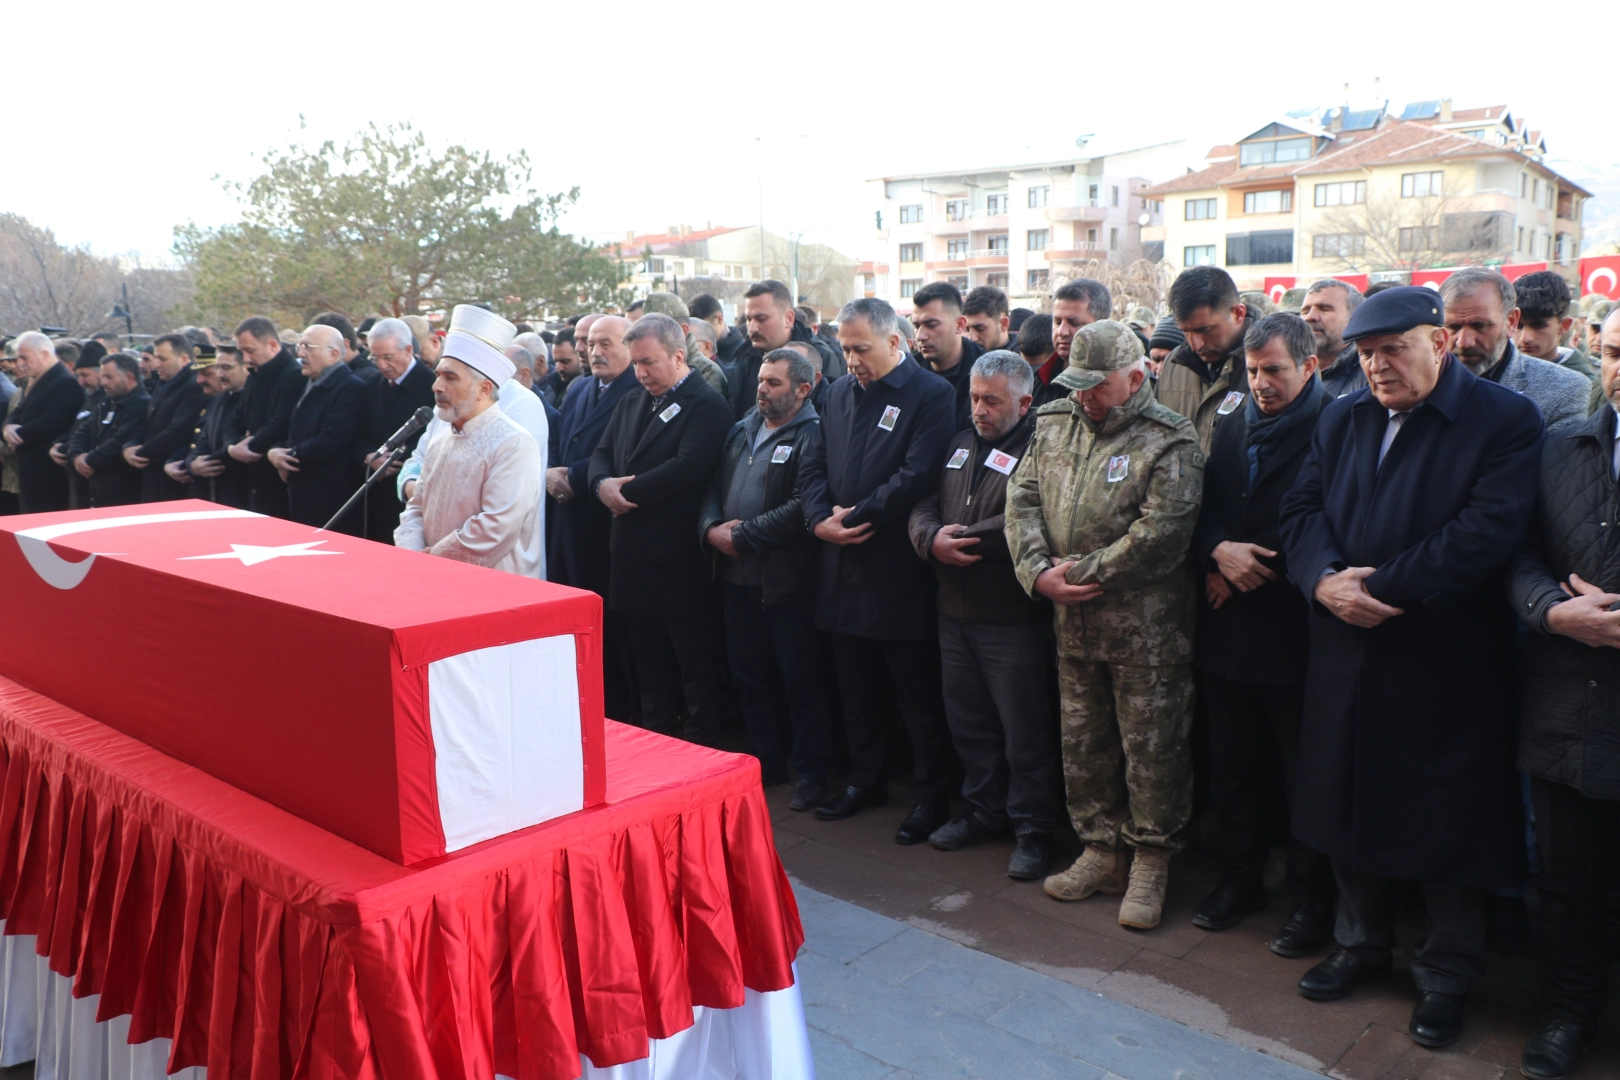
1030, 856
1507, 927
1556, 1046
1236, 898
808, 794
961, 832
1309, 927
1339, 974
1437, 1019
851, 801
924, 818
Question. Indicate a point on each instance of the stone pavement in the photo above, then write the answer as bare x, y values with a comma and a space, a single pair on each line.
892, 998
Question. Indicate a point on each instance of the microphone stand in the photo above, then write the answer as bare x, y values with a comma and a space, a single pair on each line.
393, 459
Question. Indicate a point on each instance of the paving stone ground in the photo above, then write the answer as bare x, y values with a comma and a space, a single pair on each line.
939, 966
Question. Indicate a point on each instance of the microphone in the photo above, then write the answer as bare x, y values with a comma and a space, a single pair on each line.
419, 420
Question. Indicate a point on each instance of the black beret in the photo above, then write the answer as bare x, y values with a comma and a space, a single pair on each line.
1395, 311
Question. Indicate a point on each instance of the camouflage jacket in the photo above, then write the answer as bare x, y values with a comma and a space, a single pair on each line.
1121, 499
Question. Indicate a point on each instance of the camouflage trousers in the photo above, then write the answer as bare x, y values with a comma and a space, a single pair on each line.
1127, 755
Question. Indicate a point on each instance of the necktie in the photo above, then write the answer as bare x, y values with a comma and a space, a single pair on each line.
1394, 429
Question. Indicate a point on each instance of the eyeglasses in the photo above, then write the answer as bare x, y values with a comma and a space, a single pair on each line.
306, 347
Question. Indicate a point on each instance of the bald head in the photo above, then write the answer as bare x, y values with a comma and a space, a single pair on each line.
320, 347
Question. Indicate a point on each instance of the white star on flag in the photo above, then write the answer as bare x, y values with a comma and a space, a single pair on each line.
253, 554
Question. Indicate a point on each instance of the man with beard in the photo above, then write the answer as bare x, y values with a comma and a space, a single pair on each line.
1075, 304
120, 414
478, 498
566, 365
1205, 379
772, 323
1327, 307
985, 309
937, 314
1482, 314
217, 477
752, 518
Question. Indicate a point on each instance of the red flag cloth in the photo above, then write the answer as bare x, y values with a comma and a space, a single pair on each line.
266, 947
1277, 286
1601, 274
411, 704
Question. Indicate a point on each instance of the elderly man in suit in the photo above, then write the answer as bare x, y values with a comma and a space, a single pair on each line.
49, 405
1414, 499
651, 471
318, 460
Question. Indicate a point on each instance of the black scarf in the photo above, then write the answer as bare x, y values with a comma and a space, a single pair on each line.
1265, 432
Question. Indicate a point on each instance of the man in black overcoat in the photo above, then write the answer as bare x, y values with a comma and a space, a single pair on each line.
1415, 497
651, 470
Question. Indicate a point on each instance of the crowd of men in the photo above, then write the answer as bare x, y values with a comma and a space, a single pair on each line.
1367, 551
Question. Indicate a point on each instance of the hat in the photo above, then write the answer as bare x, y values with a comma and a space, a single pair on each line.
205, 356
1293, 301
1257, 302
479, 338
1141, 317
1395, 311
1600, 311
1099, 348
1167, 335
666, 303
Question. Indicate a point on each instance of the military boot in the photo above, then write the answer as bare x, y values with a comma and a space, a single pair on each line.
1144, 900
1098, 869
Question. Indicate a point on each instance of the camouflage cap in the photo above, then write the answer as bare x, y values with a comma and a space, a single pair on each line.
666, 303
1293, 301
1600, 311
1257, 302
1141, 317
1099, 348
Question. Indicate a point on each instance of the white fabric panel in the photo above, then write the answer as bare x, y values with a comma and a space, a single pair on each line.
765, 1039
506, 738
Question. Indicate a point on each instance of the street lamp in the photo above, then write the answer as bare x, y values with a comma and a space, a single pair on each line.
121, 311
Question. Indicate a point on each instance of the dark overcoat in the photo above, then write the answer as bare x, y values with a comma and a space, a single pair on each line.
671, 448
1406, 754
579, 553
323, 434
171, 417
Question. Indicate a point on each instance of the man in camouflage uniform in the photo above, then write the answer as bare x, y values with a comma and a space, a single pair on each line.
1100, 514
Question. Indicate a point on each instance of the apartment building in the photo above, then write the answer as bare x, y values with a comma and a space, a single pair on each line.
1366, 194
727, 260
1012, 225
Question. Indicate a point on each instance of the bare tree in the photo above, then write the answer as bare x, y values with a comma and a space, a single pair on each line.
1393, 233
1143, 283
43, 283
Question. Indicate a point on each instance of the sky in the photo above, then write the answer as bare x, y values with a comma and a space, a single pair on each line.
724, 112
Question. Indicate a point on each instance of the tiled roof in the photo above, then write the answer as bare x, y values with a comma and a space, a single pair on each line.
658, 241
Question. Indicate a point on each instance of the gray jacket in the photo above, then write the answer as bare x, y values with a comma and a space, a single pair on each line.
1558, 392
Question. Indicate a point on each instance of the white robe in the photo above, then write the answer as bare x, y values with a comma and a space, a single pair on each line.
478, 497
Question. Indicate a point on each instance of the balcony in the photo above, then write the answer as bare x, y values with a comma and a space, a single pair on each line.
1086, 211
1077, 254
942, 227
987, 257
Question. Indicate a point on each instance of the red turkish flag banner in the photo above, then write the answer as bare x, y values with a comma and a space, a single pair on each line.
1431, 278
408, 703
1515, 271
1277, 286
1601, 274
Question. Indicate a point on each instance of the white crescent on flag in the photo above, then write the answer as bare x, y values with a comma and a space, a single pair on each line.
63, 574
1597, 275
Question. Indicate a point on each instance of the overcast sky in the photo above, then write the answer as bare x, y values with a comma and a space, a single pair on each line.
119, 117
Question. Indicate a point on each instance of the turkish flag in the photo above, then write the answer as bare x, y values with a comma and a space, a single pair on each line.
1515, 271
1277, 286
410, 704
1431, 278
1601, 274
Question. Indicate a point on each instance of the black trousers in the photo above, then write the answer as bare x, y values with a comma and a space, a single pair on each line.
1452, 954
679, 667
621, 695
863, 664
1579, 841
1253, 750
775, 659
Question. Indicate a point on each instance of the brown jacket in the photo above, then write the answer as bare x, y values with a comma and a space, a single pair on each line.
972, 493
1185, 387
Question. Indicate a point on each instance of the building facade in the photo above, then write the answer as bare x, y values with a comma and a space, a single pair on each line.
1012, 226
724, 261
1366, 193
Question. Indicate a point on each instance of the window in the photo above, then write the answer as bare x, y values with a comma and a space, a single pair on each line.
1275, 150
869, 286
911, 214
997, 280
1417, 238
1338, 245
1518, 245
911, 253
909, 287
1116, 195
652, 266
1420, 185
1475, 133
1039, 195
1113, 239
998, 244
733, 270
1039, 239
1267, 202
1348, 193
1200, 210
1091, 195
1091, 236
1037, 279
956, 249
960, 281
1524, 184
1481, 232
956, 209
995, 204
1158, 206
1203, 255
1268, 248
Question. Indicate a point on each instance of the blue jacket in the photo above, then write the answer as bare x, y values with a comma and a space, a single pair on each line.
1406, 752
579, 555
324, 434
882, 468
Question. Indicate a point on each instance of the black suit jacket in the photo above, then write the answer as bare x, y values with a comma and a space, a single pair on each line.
171, 417
388, 407
219, 426
672, 449
579, 553
49, 407
323, 435
1259, 636
267, 404
113, 425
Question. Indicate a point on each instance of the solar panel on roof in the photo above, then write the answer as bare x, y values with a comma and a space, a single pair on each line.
1421, 110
